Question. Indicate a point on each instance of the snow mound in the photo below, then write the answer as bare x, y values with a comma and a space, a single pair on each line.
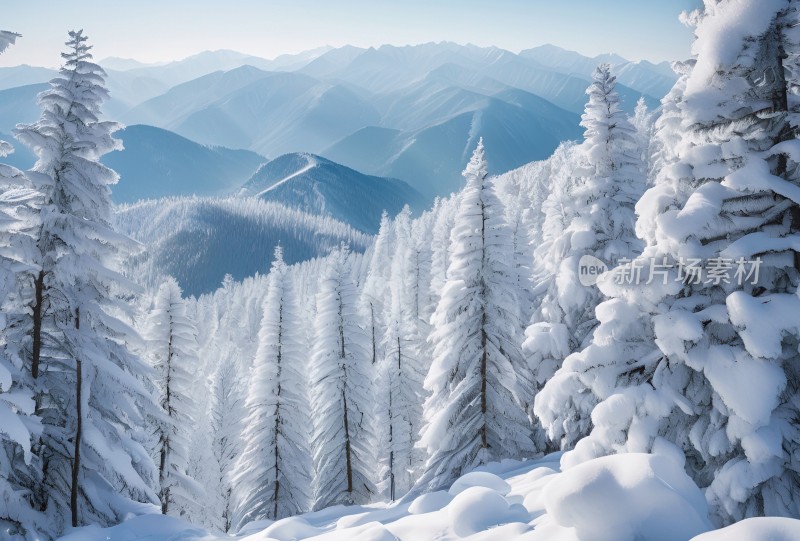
480, 479
757, 529
479, 508
287, 529
428, 503
627, 497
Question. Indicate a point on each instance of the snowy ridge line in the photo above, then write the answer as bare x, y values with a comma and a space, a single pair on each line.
311, 164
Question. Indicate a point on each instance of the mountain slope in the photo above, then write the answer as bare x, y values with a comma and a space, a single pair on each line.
319, 186
186, 98
653, 79
517, 127
23, 75
158, 163
18, 105
388, 68
200, 240
268, 112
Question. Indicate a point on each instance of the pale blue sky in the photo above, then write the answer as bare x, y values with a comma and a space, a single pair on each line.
159, 30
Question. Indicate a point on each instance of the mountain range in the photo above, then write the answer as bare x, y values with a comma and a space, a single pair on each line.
412, 113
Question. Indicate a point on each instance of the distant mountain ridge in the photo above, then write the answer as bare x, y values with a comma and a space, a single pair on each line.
158, 163
407, 112
319, 186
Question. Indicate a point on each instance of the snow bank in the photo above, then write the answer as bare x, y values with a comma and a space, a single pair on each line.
615, 498
757, 529
146, 527
627, 497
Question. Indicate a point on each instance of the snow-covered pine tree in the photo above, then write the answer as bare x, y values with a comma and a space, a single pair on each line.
643, 121
399, 392
225, 413
601, 225
701, 362
341, 376
373, 292
172, 339
19, 427
19, 471
92, 400
273, 474
474, 413
444, 213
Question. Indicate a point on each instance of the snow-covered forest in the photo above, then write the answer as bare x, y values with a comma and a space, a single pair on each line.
623, 311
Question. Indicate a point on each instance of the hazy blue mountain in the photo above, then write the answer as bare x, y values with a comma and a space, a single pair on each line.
180, 101
388, 68
18, 105
411, 112
200, 240
192, 67
23, 75
295, 61
159, 163
319, 186
652, 79
331, 61
127, 89
125, 64
269, 112
517, 127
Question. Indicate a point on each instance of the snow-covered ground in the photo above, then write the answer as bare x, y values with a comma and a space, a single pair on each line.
628, 497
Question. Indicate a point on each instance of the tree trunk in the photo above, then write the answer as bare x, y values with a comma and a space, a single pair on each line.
36, 350
76, 461
484, 443
347, 449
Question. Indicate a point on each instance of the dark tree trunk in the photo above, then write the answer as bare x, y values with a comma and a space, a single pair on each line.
76, 461
36, 350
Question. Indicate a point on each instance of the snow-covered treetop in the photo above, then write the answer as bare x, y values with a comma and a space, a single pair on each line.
477, 166
7, 38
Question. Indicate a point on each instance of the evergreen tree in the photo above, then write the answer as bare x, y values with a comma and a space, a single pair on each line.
474, 414
601, 225
400, 375
677, 360
173, 350
225, 413
440, 247
643, 121
19, 520
373, 292
91, 397
341, 392
272, 476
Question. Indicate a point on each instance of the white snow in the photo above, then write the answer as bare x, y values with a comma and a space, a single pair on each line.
627, 497
615, 498
720, 38
312, 163
757, 529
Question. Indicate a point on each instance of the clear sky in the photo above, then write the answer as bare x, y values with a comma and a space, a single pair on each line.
161, 30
